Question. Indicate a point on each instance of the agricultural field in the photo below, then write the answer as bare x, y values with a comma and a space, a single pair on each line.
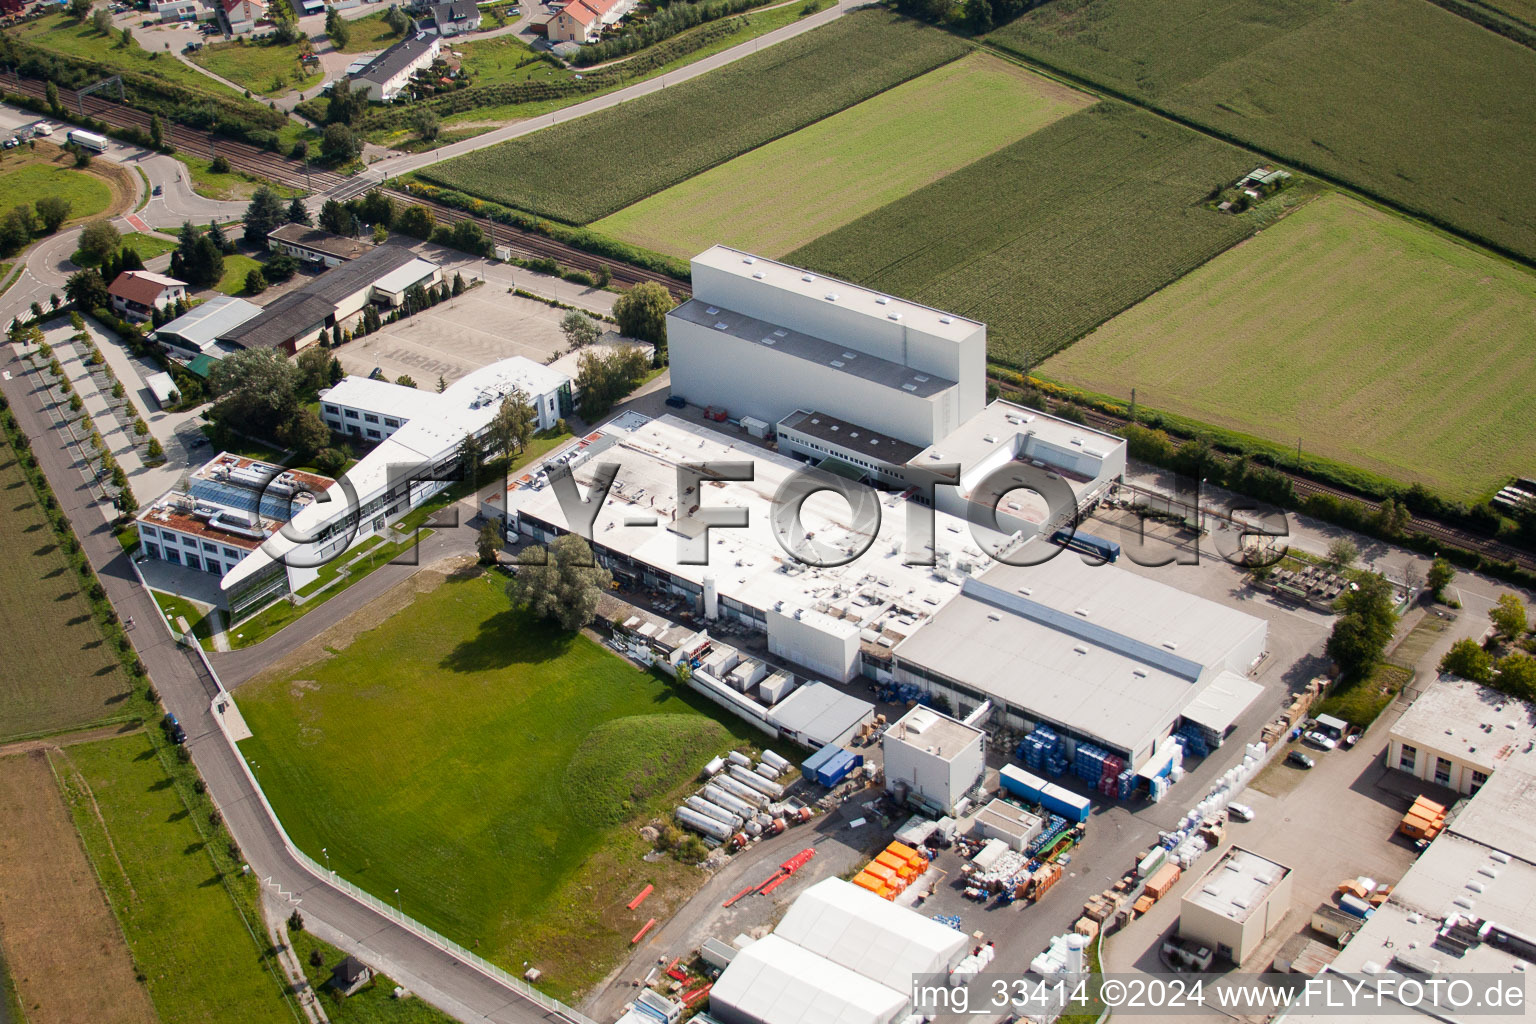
62, 34
175, 893
60, 674
782, 195
1399, 97
572, 172
64, 952
1381, 343
1051, 236
266, 69
493, 769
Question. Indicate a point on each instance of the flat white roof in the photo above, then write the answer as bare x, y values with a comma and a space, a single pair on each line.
855, 928
876, 590
774, 980
820, 712
1472, 722
383, 397
932, 731
399, 280
808, 284
1238, 883
1004, 432
1224, 698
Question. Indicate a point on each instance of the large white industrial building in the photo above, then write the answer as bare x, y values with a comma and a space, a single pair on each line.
416, 461
1458, 732
842, 955
933, 759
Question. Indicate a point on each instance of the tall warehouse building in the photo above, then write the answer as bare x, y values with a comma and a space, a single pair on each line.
764, 339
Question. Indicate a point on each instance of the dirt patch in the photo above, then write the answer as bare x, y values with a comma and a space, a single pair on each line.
340, 636
65, 952
123, 182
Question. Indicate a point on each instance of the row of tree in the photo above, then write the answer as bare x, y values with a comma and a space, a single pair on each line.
1501, 665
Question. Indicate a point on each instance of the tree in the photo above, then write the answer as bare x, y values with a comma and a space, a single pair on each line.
561, 582
1517, 676
126, 39
101, 20
1440, 575
219, 164
79, 9
416, 221
335, 336
488, 544
642, 315
1508, 618
217, 237
405, 380
98, 240
306, 432
377, 208
300, 151
426, 123
128, 259
512, 426
339, 145
1342, 552
1391, 519
442, 384
336, 28
396, 19
604, 377
347, 104
280, 267
467, 237
1364, 625
53, 211
337, 219
156, 131
458, 283
255, 389
314, 369
205, 267
978, 16
580, 330
263, 215
298, 213
51, 91
255, 284
1469, 661
82, 155
470, 453
86, 290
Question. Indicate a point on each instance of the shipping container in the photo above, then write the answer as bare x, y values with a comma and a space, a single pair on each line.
1161, 880
1065, 803
1022, 784
1352, 904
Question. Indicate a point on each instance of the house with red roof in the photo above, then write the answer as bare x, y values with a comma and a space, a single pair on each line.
137, 293
242, 15
583, 21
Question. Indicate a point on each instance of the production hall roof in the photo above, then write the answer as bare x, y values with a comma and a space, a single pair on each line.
1237, 883
774, 980
1470, 721
299, 311
203, 324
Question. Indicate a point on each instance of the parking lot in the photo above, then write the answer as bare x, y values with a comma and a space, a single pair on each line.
463, 334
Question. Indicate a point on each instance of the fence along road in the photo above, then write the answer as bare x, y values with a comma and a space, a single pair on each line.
431, 966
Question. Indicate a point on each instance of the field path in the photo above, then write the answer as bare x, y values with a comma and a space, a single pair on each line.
67, 739
394, 166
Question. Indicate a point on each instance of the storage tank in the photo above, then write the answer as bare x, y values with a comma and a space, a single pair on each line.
757, 782
767, 770
735, 804
704, 823
774, 759
737, 757
740, 790
715, 811
715, 767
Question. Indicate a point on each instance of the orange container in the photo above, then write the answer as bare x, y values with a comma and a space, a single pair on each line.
918, 862
865, 880
896, 864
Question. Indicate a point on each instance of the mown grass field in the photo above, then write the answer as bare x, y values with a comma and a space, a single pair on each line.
87, 194
780, 196
370, 33
1378, 342
586, 169
199, 960
59, 672
64, 35
1400, 97
64, 951
1047, 238
268, 70
493, 769
374, 1003
148, 246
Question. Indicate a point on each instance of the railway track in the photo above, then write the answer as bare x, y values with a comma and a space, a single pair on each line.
263, 163
1306, 487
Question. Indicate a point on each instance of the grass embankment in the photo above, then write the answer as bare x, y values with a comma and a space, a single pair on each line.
791, 191
78, 40
227, 185
60, 673
265, 68
709, 120
1382, 344
518, 764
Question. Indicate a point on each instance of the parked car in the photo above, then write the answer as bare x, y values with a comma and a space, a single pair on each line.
157, 190
1299, 759
1320, 739
677, 401
12, 142
173, 728
1241, 812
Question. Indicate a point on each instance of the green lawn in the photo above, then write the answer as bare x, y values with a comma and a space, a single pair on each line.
265, 69
1046, 238
87, 194
505, 59
59, 671
178, 896
148, 246
236, 267
374, 1003
369, 33
64, 35
1379, 343
229, 184
669, 136
490, 768
1399, 97
783, 195
199, 620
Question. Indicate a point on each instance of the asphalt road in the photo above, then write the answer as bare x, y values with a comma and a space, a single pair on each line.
186, 689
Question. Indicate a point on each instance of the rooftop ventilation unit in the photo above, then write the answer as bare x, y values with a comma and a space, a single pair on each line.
893, 316
770, 341
712, 310
911, 387
781, 333
721, 325
920, 378
807, 277
945, 320
850, 355
838, 363
748, 260
831, 296
883, 300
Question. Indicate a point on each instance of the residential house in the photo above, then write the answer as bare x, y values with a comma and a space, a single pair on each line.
387, 75
241, 16
137, 293
583, 21
455, 18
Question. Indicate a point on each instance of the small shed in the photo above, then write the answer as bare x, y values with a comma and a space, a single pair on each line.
350, 975
163, 387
